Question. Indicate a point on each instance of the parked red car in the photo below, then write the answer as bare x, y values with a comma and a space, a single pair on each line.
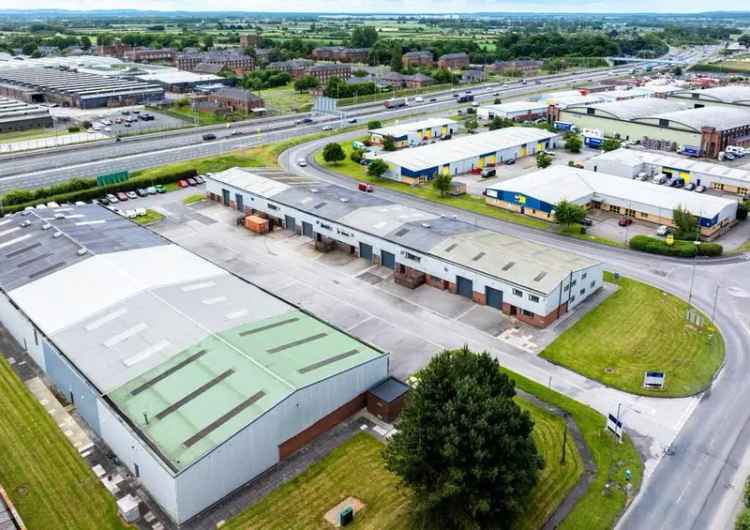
364, 186
182, 183
625, 221
122, 196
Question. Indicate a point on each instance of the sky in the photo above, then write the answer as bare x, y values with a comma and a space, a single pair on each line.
399, 6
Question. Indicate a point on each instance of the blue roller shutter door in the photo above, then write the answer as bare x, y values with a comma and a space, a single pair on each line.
494, 298
387, 259
365, 251
307, 229
464, 286
291, 224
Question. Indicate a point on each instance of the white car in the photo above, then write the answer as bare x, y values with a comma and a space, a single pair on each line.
419, 99
663, 230
327, 127
140, 211
131, 214
302, 162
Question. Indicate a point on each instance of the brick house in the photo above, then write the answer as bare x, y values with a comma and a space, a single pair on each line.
418, 81
236, 100
324, 72
419, 58
150, 55
340, 53
236, 62
453, 61
297, 68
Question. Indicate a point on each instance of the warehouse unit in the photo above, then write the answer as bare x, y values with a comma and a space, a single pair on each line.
76, 89
467, 153
514, 110
174, 80
723, 96
697, 131
19, 116
533, 283
630, 163
197, 380
417, 132
536, 194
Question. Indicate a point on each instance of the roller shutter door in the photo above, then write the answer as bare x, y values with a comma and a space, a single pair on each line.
464, 286
365, 251
307, 229
494, 298
387, 259
291, 224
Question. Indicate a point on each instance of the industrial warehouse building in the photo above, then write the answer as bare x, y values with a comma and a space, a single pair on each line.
75, 89
197, 380
417, 132
19, 116
630, 163
536, 194
465, 153
697, 131
728, 96
174, 80
536, 284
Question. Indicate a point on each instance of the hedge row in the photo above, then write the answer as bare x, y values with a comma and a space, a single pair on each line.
29, 195
680, 249
99, 191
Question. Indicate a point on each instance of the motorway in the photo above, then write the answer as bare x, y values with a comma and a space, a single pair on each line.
698, 484
49, 166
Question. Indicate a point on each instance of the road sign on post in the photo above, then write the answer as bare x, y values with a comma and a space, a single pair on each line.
614, 425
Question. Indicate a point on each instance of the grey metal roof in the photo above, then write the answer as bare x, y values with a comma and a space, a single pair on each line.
28, 253
325, 200
390, 390
423, 238
723, 94
631, 108
720, 118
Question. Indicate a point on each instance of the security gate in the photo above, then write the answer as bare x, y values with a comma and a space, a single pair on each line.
365, 251
494, 298
307, 229
387, 259
464, 286
291, 225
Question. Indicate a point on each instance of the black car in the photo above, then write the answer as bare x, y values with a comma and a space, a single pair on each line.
208, 137
199, 179
587, 221
510, 162
432, 100
307, 120
103, 201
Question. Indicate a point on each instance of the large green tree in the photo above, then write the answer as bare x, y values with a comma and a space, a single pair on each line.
568, 213
333, 153
464, 447
573, 143
685, 222
377, 168
442, 183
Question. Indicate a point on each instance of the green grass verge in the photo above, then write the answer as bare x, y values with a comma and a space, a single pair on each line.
31, 134
151, 216
50, 484
640, 328
574, 231
357, 468
285, 99
465, 202
203, 118
192, 199
601, 506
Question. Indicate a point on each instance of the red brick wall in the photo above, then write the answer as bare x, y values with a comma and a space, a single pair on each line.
384, 411
479, 298
296, 442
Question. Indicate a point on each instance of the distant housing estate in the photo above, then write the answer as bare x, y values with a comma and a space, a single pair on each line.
237, 62
342, 54
453, 61
418, 58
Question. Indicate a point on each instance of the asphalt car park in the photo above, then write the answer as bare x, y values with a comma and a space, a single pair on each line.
129, 122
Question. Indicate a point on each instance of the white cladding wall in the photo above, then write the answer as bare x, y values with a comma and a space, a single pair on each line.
255, 448
22, 330
428, 264
132, 451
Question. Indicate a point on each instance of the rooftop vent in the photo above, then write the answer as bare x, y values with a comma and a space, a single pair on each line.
539, 276
509, 265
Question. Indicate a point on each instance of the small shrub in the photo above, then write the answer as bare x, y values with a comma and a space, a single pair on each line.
356, 156
74, 129
710, 249
742, 209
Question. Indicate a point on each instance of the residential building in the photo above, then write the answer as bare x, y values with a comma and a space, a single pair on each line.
533, 283
236, 100
324, 72
297, 68
151, 55
536, 194
341, 54
473, 75
522, 66
236, 62
453, 61
417, 58
418, 81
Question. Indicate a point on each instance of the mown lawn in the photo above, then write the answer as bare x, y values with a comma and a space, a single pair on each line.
285, 99
357, 469
151, 217
636, 329
192, 199
30, 134
50, 484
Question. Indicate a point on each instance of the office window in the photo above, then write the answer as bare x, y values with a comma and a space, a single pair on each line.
517, 292
573, 283
533, 298
717, 186
36, 338
572, 299
614, 209
566, 288
582, 292
593, 283
583, 276
528, 313
272, 206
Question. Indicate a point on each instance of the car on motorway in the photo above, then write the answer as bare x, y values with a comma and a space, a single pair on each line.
510, 162
326, 127
122, 196
302, 162
191, 181
364, 186
624, 221
132, 195
418, 99
160, 189
307, 120
183, 183
208, 137
352, 120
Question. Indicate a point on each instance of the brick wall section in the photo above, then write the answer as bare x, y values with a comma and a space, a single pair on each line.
327, 423
479, 298
385, 411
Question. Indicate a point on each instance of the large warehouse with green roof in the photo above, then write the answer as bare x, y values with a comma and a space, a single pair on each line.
196, 379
